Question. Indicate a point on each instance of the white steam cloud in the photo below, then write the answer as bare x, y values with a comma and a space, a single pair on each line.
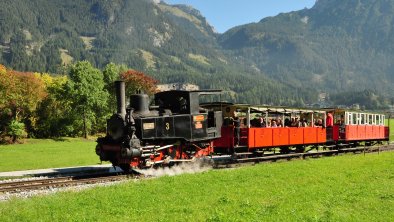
188, 168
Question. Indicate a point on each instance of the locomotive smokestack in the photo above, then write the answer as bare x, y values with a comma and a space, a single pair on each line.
120, 98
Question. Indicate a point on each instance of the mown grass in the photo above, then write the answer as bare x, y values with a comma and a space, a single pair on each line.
39, 154
344, 188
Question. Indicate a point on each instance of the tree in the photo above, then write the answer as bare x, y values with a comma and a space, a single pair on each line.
85, 89
111, 73
6, 82
3, 69
20, 95
137, 81
54, 115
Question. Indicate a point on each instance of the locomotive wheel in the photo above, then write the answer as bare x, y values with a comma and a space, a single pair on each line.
125, 168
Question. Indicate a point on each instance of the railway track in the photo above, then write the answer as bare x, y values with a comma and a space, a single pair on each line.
19, 186
277, 157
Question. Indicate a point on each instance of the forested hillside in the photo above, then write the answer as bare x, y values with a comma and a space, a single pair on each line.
171, 43
336, 46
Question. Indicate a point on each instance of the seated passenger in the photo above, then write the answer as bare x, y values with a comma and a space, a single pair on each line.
255, 122
273, 124
296, 123
262, 122
320, 122
304, 123
292, 123
287, 122
279, 122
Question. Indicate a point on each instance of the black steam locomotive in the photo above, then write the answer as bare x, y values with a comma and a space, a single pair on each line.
174, 129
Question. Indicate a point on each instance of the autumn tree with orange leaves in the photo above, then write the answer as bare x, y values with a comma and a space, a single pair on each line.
138, 82
20, 94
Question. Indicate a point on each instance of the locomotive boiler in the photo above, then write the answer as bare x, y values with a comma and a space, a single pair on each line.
175, 129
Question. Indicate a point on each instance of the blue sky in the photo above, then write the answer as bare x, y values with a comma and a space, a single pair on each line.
225, 14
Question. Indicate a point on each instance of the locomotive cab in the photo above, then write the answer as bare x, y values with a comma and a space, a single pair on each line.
181, 117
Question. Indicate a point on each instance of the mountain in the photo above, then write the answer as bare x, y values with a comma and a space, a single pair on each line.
171, 43
336, 46
192, 22
134, 32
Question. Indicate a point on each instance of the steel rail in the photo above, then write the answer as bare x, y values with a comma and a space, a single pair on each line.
361, 149
56, 182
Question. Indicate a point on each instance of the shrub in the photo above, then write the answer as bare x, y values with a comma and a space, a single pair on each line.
17, 130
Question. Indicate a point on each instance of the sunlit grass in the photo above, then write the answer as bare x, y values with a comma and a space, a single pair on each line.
344, 188
39, 154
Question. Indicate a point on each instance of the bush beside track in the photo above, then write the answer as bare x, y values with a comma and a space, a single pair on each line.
343, 188
40, 154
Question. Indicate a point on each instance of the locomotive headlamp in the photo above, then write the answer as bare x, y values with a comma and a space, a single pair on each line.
116, 126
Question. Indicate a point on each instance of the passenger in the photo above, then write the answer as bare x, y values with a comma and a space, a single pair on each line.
273, 124
255, 122
329, 120
287, 122
237, 130
293, 122
318, 122
279, 122
304, 123
297, 123
262, 122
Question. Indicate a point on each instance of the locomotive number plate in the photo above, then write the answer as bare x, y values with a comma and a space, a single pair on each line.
198, 118
149, 126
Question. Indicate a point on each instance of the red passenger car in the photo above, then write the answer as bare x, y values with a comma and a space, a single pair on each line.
251, 129
265, 127
353, 127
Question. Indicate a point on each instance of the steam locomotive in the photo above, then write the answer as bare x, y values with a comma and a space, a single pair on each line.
179, 127
175, 129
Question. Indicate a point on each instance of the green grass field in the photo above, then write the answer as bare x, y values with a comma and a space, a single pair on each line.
39, 154
344, 188
391, 125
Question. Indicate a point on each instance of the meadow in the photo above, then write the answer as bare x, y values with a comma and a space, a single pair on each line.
41, 154
343, 188
391, 125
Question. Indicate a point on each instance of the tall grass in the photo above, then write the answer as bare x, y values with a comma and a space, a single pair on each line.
344, 188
